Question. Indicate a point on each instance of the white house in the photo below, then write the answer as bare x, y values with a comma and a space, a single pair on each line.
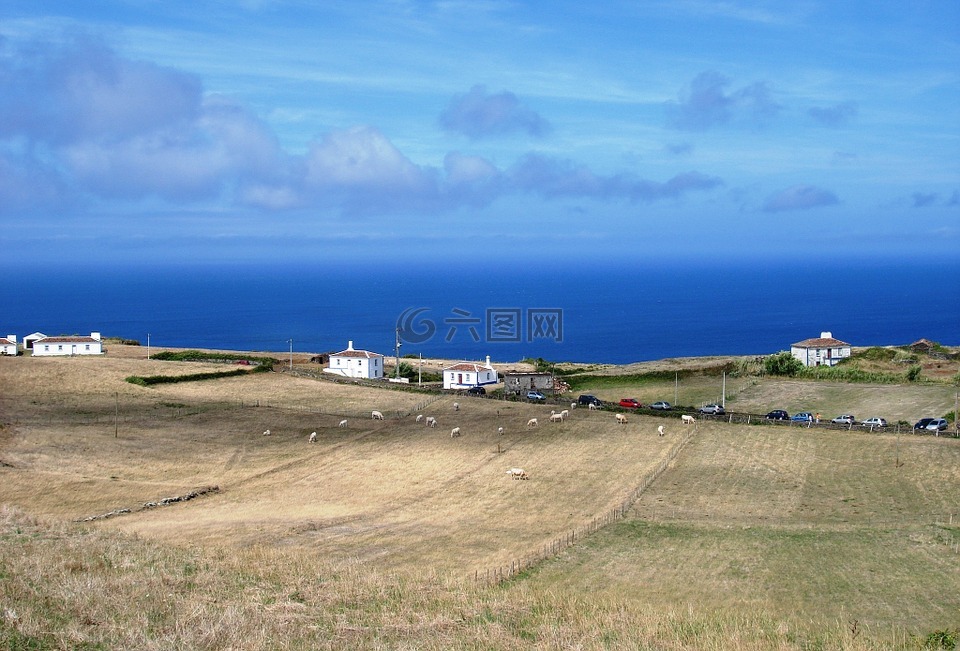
820, 351
29, 340
356, 363
8, 345
68, 345
464, 375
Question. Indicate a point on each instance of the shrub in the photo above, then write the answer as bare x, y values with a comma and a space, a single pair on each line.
913, 374
783, 363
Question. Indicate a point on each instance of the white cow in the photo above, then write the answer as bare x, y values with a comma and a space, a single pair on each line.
455, 432
500, 431
377, 415
313, 437
266, 433
431, 421
660, 430
342, 423
621, 419
532, 422
687, 420
456, 406
419, 417
565, 413
593, 406
556, 418
573, 405
518, 473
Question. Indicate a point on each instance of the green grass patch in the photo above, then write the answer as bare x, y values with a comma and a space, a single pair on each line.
203, 356
150, 380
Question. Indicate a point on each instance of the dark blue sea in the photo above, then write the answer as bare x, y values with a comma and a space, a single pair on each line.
612, 315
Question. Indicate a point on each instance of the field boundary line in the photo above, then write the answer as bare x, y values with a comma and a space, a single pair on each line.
501, 573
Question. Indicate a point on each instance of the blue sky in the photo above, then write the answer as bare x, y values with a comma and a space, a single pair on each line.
216, 131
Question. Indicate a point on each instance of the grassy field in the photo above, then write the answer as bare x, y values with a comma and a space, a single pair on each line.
754, 537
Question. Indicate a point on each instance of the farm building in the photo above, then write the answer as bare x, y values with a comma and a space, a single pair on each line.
464, 375
8, 345
29, 340
356, 363
516, 382
68, 345
820, 351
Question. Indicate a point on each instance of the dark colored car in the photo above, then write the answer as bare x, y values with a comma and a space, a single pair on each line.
587, 399
476, 391
536, 396
663, 405
630, 403
713, 408
923, 422
778, 414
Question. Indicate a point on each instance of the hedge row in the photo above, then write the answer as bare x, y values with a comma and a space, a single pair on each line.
149, 380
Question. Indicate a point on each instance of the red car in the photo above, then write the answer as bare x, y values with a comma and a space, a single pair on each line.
630, 403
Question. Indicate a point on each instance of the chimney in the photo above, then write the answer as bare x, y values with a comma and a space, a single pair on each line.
12, 338
95, 335
826, 335
488, 360
350, 345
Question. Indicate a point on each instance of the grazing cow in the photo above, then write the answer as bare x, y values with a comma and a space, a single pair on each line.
266, 433
431, 421
556, 418
313, 437
621, 419
687, 420
377, 415
343, 423
660, 430
456, 406
419, 417
565, 413
518, 473
593, 406
573, 405
500, 431
455, 432
532, 422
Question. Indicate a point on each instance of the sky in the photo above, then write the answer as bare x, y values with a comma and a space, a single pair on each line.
468, 133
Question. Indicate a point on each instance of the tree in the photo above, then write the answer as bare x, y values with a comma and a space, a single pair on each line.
783, 363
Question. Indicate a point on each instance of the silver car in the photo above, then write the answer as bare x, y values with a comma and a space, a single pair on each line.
876, 421
937, 425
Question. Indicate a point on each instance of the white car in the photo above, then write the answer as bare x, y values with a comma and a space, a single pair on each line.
844, 419
876, 421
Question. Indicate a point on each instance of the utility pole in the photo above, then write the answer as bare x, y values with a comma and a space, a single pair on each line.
148, 345
116, 415
723, 395
291, 353
396, 353
420, 372
676, 387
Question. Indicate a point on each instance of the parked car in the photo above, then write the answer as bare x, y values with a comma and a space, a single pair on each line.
876, 421
803, 417
937, 425
535, 396
845, 419
778, 414
587, 399
663, 405
630, 403
923, 422
713, 408
476, 391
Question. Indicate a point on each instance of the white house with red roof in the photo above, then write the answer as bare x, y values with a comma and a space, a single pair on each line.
356, 363
464, 375
67, 345
820, 351
8, 345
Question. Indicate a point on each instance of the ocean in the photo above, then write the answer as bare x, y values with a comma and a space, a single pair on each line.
608, 315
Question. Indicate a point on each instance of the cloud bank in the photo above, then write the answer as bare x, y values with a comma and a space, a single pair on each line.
478, 114
706, 104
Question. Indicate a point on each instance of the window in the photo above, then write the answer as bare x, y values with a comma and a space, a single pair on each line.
87, 347
59, 346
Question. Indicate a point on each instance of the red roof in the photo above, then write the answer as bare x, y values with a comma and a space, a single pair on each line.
476, 367
350, 352
68, 340
6, 342
820, 342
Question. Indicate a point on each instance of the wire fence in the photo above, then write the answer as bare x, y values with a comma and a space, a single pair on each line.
534, 557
